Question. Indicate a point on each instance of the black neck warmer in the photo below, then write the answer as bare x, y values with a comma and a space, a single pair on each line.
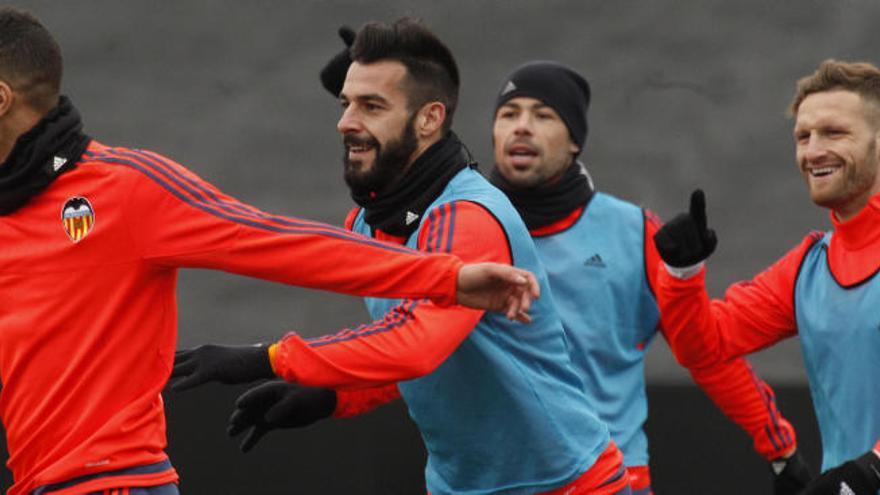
399, 211
542, 205
40, 155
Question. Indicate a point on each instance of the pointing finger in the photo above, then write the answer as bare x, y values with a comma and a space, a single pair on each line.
698, 209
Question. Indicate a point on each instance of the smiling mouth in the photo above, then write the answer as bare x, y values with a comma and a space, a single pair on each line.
357, 148
822, 171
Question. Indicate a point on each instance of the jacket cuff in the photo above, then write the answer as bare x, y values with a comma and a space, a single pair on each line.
685, 272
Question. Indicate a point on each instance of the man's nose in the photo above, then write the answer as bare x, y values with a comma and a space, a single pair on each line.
816, 147
348, 121
523, 124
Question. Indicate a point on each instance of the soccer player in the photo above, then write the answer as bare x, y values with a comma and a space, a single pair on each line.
825, 290
92, 237
601, 262
540, 129
499, 405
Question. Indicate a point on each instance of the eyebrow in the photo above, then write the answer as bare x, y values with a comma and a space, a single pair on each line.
366, 97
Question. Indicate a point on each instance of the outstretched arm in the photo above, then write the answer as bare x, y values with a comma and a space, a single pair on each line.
278, 404
416, 336
192, 224
410, 341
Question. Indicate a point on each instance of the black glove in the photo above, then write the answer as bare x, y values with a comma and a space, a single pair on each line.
333, 74
685, 240
278, 404
790, 475
858, 477
225, 364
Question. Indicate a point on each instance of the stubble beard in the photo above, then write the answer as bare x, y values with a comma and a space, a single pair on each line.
853, 189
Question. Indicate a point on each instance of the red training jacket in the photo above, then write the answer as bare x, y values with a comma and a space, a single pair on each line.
757, 313
88, 316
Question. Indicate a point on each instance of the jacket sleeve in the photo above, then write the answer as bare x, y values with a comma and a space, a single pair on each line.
178, 220
750, 403
753, 315
732, 384
352, 402
415, 336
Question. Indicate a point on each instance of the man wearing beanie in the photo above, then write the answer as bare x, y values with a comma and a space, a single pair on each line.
602, 266
498, 403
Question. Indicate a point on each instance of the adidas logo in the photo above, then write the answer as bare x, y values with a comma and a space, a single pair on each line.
778, 466
845, 489
58, 162
595, 261
508, 88
411, 217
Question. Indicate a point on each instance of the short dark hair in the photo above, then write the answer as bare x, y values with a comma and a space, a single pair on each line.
862, 78
432, 74
30, 58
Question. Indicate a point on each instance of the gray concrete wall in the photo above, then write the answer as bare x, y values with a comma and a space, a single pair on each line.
686, 94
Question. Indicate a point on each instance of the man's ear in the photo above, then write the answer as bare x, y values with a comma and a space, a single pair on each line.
7, 96
430, 119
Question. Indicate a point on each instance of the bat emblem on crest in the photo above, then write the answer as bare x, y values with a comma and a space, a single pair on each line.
78, 218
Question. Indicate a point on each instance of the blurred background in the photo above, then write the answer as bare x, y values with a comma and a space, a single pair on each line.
685, 94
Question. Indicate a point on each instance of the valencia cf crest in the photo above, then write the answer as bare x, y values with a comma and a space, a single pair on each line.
78, 218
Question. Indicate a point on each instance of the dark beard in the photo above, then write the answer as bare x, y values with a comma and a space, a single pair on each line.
388, 166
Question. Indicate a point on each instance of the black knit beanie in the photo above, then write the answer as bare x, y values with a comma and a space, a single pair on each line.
559, 87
